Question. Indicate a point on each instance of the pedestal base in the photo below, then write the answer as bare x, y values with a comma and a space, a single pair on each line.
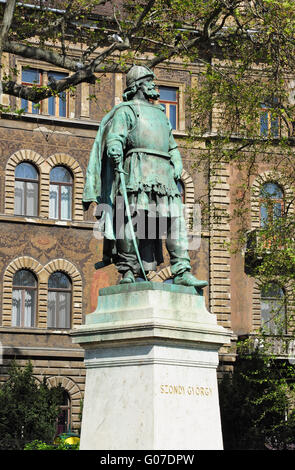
151, 353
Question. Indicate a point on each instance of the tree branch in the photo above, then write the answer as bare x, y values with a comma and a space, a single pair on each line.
5, 26
143, 14
7, 19
36, 94
32, 52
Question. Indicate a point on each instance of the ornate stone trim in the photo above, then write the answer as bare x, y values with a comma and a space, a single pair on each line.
161, 275
44, 167
189, 197
24, 262
189, 188
256, 304
75, 395
69, 162
42, 273
67, 384
267, 177
220, 268
18, 157
68, 268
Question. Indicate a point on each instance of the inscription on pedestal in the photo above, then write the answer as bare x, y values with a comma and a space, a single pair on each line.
190, 390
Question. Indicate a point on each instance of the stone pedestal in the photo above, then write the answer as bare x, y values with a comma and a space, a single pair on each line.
151, 353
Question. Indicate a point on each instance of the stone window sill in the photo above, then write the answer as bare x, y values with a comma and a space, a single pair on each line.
44, 221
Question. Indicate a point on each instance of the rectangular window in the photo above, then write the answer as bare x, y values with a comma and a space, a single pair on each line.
23, 308
31, 77
169, 99
57, 105
60, 206
26, 198
54, 201
65, 202
269, 124
273, 310
263, 215
59, 309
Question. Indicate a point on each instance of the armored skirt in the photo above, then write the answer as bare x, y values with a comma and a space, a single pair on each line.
151, 186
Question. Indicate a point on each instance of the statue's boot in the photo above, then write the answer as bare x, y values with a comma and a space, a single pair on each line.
127, 278
188, 279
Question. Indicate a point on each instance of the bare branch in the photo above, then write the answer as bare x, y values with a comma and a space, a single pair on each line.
37, 94
7, 19
143, 14
32, 52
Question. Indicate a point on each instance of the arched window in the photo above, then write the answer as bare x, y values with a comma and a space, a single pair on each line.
271, 203
60, 199
24, 299
273, 309
26, 190
59, 301
64, 417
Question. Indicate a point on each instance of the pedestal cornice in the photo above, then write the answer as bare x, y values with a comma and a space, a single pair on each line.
148, 312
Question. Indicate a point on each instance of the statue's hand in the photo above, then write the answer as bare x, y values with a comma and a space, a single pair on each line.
116, 159
177, 174
116, 155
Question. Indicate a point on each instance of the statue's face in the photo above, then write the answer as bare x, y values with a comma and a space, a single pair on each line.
149, 90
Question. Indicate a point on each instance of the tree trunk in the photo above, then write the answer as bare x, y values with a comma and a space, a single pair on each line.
5, 26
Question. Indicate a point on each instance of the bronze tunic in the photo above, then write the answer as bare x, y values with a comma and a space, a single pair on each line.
151, 158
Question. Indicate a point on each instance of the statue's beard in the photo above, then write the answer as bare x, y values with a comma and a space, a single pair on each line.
151, 93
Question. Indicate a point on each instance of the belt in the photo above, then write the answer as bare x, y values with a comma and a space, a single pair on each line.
150, 151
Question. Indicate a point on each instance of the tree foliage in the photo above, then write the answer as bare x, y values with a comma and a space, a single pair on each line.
257, 401
101, 36
28, 410
243, 108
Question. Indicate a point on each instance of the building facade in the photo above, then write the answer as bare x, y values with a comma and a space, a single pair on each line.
49, 246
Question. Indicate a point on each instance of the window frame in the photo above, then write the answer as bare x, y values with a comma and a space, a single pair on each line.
169, 103
25, 181
44, 79
266, 111
271, 320
59, 184
181, 114
65, 411
23, 290
30, 104
61, 290
269, 203
57, 98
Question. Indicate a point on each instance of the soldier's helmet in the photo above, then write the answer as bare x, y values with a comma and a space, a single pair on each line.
138, 72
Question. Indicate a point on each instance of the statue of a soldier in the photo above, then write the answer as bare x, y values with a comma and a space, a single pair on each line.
136, 139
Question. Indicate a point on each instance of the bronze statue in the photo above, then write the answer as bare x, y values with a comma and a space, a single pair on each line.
135, 157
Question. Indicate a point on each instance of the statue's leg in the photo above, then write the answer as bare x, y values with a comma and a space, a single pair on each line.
177, 246
126, 260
